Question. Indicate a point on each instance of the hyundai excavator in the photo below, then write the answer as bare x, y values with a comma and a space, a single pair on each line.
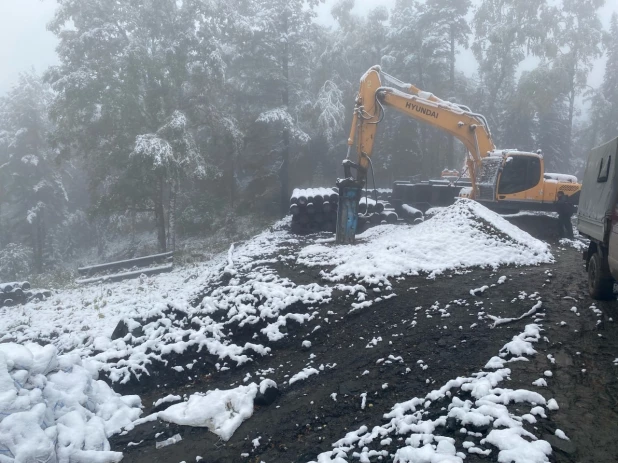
503, 180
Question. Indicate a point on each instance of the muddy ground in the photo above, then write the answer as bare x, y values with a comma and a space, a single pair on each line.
304, 420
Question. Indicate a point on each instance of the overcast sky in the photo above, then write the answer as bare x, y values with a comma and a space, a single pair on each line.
25, 42
24, 39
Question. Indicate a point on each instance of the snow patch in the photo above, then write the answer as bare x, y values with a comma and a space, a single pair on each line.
221, 411
53, 408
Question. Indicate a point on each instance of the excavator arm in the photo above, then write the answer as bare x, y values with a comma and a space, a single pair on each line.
470, 128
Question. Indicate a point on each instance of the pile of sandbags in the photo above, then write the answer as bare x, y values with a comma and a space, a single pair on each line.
314, 209
16, 293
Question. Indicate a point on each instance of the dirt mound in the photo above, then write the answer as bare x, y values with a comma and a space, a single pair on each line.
542, 226
463, 235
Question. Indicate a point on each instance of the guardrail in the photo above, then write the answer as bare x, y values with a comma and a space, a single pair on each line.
92, 274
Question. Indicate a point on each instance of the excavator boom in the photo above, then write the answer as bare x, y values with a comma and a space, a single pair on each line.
470, 128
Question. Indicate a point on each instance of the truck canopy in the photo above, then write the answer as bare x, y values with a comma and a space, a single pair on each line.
599, 190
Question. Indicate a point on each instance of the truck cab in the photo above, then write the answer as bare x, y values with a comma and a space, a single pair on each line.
597, 219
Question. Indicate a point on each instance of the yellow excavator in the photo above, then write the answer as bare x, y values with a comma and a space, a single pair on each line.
504, 180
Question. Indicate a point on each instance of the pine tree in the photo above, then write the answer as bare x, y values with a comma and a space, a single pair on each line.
446, 19
605, 101
35, 199
271, 68
578, 38
126, 70
505, 31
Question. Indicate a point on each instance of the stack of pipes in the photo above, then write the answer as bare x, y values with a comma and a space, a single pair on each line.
384, 194
372, 212
314, 209
18, 293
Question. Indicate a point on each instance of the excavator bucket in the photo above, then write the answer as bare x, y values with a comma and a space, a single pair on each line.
347, 212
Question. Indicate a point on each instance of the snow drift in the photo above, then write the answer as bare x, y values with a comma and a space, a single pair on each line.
222, 412
52, 408
465, 234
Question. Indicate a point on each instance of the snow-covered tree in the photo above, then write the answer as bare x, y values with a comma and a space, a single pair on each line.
271, 70
505, 31
446, 19
520, 115
126, 70
419, 52
330, 111
578, 35
605, 100
162, 160
34, 199
14, 262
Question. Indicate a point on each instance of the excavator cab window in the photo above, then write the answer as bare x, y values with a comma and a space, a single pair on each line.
519, 173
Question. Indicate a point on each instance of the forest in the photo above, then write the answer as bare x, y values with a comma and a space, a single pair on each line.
193, 120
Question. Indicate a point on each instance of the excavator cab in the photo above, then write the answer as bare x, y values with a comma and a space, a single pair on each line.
511, 178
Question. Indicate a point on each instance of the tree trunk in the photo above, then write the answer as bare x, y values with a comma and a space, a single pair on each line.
133, 232
285, 153
493, 96
100, 232
450, 155
231, 171
571, 115
39, 239
160, 215
172, 216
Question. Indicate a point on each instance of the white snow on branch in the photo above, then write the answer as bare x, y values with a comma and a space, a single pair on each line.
154, 148
275, 115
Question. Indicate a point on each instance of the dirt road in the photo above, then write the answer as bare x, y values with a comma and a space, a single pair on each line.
396, 349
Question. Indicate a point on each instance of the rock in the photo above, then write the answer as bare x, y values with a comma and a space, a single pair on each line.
452, 424
565, 446
267, 393
120, 331
138, 332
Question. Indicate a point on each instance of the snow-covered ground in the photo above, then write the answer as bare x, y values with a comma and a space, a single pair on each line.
465, 234
195, 308
471, 404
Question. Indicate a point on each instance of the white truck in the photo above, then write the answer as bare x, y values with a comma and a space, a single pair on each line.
597, 219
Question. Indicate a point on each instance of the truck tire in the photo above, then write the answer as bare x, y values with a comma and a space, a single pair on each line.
600, 285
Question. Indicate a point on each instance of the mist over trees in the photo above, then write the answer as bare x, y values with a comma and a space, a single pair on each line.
181, 118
